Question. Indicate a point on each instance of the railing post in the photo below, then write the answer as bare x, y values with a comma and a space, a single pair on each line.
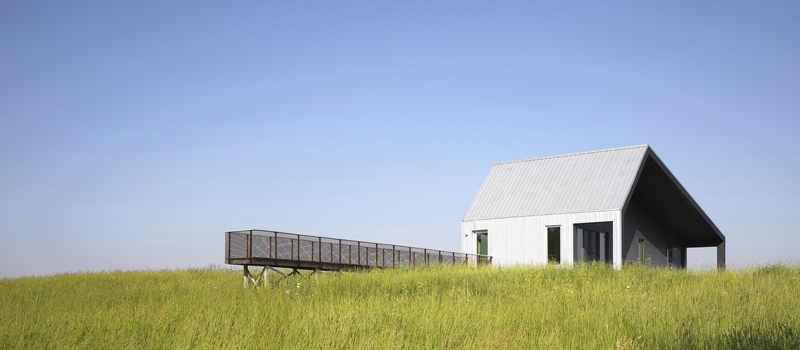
250, 245
359, 252
320, 250
291, 254
394, 252
411, 254
425, 251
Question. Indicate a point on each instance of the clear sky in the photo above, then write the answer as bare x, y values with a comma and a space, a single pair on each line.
134, 134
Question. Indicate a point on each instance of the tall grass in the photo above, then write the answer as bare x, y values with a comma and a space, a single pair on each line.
590, 306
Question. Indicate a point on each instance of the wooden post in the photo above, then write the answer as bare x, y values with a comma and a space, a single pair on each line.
245, 275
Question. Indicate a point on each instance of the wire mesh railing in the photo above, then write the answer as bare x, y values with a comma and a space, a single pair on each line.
280, 246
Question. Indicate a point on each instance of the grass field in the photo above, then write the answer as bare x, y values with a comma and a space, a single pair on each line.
591, 306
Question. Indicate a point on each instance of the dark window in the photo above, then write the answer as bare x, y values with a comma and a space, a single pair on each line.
554, 244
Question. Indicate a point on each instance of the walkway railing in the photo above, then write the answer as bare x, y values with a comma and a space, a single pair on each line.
279, 249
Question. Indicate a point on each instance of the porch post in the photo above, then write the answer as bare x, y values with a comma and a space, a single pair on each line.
721, 256
616, 237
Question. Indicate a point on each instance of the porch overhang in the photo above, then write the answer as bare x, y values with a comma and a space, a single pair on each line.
657, 187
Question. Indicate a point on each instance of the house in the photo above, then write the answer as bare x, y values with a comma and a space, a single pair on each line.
618, 205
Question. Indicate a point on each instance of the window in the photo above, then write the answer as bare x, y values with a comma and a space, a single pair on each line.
592, 245
554, 244
603, 249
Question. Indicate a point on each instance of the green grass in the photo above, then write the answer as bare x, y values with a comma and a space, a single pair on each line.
591, 306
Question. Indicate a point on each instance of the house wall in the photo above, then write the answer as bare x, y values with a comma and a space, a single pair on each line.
523, 240
641, 221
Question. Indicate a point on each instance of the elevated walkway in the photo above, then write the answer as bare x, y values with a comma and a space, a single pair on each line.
272, 249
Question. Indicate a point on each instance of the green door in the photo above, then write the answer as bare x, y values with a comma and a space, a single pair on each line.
483, 243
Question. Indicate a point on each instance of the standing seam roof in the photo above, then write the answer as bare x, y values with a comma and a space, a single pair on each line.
570, 183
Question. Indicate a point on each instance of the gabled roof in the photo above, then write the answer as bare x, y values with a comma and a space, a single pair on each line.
593, 181
570, 183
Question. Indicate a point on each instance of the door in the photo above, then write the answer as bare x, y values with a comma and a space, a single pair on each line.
483, 243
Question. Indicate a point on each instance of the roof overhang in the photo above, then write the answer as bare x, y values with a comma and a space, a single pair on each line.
656, 185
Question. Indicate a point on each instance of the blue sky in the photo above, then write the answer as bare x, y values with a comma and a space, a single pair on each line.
133, 135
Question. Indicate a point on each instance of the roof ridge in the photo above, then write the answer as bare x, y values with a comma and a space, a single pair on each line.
573, 154
558, 213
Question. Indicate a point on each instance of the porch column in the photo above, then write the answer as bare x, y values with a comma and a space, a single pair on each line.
616, 237
721, 256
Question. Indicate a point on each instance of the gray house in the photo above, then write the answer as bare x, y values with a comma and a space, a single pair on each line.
617, 205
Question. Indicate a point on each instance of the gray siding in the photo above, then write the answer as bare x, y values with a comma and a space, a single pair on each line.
642, 222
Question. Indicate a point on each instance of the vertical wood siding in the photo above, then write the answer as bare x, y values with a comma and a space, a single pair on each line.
523, 240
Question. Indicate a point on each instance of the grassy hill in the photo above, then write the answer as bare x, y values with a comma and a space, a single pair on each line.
463, 307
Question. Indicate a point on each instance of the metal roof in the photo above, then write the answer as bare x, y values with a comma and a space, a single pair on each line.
570, 183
